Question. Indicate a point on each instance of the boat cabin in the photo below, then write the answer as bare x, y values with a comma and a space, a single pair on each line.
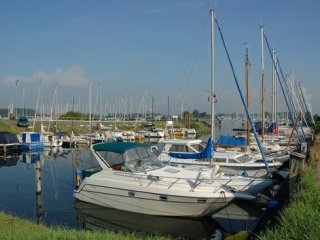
126, 156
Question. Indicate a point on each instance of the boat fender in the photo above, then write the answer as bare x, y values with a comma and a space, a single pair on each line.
78, 177
217, 235
273, 204
242, 235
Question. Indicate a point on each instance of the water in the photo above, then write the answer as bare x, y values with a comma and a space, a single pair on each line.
55, 204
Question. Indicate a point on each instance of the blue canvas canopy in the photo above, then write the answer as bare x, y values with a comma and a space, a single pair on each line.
231, 141
8, 137
206, 153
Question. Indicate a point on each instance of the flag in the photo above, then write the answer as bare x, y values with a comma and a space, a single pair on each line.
214, 98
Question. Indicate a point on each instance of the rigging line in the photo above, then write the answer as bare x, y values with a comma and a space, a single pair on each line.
303, 98
304, 101
287, 97
242, 99
191, 64
300, 103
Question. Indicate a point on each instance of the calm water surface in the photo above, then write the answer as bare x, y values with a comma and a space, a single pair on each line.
55, 204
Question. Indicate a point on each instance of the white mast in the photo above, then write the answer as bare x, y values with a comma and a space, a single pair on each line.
52, 106
90, 123
262, 85
212, 74
273, 97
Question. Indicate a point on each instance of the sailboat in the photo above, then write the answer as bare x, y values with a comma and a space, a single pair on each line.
181, 152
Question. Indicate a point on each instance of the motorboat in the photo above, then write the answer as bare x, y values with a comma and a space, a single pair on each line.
31, 141
131, 178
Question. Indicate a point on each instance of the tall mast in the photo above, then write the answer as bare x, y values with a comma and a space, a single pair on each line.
247, 78
262, 86
212, 73
90, 123
274, 89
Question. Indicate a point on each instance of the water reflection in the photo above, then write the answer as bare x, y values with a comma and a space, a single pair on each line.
9, 160
100, 218
238, 216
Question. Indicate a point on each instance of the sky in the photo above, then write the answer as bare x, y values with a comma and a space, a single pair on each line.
151, 54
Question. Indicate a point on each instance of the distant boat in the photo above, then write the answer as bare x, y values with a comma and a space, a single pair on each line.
31, 141
23, 121
153, 133
9, 143
49, 139
67, 140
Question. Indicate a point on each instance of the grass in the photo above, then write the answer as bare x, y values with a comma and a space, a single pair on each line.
12, 228
301, 219
6, 126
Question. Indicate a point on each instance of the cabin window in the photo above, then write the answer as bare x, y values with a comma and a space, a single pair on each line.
112, 157
131, 194
243, 159
198, 147
132, 154
163, 198
143, 152
232, 161
201, 200
219, 160
178, 148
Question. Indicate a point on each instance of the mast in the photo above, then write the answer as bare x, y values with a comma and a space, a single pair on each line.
90, 123
35, 112
247, 78
52, 107
262, 86
212, 13
274, 91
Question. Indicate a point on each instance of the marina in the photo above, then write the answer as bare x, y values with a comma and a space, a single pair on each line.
133, 142
52, 203
55, 205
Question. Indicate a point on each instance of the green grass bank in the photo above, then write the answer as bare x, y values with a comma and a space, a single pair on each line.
12, 228
301, 218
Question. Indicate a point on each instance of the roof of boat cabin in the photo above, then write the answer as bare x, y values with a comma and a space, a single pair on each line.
117, 147
8, 137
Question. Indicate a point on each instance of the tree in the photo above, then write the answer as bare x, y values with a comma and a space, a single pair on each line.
196, 113
186, 118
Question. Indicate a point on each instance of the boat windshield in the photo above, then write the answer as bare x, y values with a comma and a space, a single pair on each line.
141, 159
137, 159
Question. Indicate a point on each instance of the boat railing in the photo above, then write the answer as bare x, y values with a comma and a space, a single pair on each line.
194, 182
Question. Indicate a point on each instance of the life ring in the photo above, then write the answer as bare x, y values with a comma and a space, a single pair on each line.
154, 149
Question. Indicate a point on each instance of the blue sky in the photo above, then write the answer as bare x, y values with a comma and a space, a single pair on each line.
142, 49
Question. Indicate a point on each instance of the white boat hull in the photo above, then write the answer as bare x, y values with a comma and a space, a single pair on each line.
139, 195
